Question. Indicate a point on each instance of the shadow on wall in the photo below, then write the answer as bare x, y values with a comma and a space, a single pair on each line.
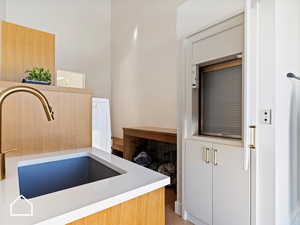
295, 149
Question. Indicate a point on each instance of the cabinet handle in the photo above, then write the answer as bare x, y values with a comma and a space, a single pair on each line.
215, 157
252, 137
206, 153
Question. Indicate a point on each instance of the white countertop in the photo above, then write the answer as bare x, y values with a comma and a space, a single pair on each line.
68, 205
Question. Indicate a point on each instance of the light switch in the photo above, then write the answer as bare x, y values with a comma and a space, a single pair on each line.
266, 116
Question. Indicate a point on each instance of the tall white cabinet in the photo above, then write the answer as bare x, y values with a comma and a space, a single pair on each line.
217, 189
216, 171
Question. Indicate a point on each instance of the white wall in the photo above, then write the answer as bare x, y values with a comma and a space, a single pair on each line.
193, 15
82, 31
287, 130
143, 64
2, 9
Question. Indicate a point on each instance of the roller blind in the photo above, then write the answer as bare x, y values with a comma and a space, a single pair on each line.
221, 102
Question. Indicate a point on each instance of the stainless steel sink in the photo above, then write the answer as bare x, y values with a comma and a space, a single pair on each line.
48, 177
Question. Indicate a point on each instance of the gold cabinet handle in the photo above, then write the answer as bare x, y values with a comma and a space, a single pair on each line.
252, 144
206, 155
215, 157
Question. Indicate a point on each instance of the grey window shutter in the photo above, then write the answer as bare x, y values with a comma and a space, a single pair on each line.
221, 102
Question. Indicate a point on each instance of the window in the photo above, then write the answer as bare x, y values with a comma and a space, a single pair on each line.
220, 99
70, 79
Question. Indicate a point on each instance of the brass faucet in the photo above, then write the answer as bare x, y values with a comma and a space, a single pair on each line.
5, 93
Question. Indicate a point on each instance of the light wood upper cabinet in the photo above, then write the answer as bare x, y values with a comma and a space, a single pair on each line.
23, 48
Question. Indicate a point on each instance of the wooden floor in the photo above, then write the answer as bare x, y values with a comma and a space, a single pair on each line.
171, 217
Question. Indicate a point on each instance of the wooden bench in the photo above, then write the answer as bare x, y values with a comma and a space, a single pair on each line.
131, 134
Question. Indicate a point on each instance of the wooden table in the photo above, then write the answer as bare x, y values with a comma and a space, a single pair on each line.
131, 134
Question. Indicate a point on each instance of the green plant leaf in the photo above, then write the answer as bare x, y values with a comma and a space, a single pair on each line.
39, 74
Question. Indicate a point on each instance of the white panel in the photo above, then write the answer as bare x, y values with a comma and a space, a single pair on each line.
226, 43
101, 124
197, 182
231, 187
70, 79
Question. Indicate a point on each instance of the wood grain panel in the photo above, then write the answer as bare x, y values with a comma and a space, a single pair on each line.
148, 209
1, 51
24, 48
118, 144
6, 84
25, 125
221, 66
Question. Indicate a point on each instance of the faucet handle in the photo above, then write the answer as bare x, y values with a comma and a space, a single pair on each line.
9, 150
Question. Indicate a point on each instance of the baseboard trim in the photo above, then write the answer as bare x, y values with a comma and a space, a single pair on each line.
178, 208
192, 219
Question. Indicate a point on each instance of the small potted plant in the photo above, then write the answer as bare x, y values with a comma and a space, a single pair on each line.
38, 76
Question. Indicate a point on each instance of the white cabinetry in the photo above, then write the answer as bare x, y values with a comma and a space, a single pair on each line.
198, 181
216, 188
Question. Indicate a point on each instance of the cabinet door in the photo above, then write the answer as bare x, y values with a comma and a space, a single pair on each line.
198, 181
231, 187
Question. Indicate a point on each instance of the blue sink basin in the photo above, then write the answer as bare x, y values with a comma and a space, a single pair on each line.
44, 178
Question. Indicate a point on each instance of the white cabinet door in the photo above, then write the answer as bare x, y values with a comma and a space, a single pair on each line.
198, 181
231, 187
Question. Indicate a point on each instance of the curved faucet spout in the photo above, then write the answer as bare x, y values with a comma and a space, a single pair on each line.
3, 95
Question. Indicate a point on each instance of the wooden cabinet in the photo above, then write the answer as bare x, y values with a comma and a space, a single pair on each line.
147, 209
22, 49
216, 188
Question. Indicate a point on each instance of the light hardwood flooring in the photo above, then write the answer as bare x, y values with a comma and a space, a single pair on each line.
171, 217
